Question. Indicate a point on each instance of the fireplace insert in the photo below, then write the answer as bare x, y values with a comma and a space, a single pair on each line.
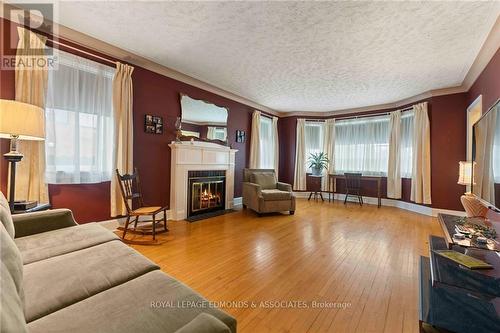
206, 191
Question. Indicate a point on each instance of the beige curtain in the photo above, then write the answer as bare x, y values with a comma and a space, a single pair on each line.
421, 166
299, 180
31, 87
483, 172
276, 149
255, 141
394, 167
123, 143
329, 149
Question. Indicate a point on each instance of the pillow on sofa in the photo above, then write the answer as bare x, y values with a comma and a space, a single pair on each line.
266, 180
5, 216
204, 322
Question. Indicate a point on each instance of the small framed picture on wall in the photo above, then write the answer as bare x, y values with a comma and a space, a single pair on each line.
240, 136
153, 124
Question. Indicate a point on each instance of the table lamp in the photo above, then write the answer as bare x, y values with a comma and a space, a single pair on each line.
19, 121
472, 205
465, 173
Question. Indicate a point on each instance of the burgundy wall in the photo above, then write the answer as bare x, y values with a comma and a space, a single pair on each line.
487, 84
153, 94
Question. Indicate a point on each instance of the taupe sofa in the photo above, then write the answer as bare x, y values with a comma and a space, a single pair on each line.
57, 276
264, 194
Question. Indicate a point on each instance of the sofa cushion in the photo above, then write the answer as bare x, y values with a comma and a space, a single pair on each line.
152, 303
53, 243
5, 216
11, 307
275, 195
11, 258
204, 323
60, 281
266, 180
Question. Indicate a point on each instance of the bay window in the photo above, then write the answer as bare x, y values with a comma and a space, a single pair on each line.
79, 121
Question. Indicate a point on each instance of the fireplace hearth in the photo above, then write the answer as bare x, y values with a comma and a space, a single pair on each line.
206, 192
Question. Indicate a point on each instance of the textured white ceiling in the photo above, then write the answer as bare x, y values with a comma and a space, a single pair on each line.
299, 56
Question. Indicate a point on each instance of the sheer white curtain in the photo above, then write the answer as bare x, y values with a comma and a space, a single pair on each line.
362, 145
79, 121
406, 143
314, 140
276, 146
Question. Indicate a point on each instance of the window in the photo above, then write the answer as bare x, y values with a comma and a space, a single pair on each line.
362, 145
266, 143
313, 140
79, 121
406, 144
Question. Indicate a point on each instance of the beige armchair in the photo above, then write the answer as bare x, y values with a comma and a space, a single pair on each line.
264, 194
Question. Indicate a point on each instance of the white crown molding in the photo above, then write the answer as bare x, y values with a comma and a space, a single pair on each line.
488, 50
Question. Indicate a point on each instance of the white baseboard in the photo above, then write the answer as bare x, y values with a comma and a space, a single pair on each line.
410, 206
113, 223
237, 202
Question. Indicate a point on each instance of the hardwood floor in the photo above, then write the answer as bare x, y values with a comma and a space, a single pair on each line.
365, 258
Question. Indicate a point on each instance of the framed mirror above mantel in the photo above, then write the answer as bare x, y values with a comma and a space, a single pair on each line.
202, 121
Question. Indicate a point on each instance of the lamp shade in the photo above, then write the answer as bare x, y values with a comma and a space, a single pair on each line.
24, 120
466, 173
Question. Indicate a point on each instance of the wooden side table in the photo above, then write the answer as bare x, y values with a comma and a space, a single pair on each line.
314, 185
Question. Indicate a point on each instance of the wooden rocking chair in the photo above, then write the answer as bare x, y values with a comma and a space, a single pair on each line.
131, 190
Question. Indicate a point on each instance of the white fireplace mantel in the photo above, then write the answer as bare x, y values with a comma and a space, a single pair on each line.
196, 155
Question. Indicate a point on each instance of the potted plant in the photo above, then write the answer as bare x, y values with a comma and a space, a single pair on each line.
318, 162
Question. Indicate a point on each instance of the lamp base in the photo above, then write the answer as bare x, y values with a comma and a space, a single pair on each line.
473, 206
13, 156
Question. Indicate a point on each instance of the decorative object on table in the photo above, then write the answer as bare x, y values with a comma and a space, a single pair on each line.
317, 162
153, 124
19, 121
463, 259
240, 136
468, 226
473, 206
